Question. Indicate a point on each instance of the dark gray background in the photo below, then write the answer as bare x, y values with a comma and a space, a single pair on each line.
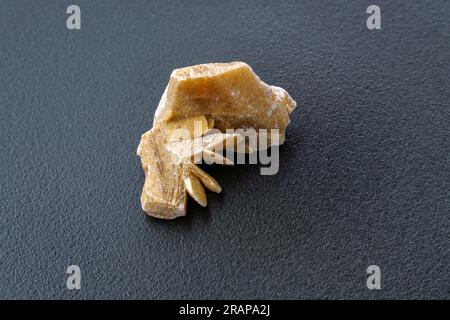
364, 177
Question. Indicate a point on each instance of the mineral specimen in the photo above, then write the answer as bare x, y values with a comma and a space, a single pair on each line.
199, 105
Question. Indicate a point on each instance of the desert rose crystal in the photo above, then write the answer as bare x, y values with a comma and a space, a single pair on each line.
199, 116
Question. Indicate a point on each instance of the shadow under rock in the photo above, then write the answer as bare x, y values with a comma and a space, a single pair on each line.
195, 214
230, 179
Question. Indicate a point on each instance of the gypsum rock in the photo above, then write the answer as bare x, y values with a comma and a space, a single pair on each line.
213, 97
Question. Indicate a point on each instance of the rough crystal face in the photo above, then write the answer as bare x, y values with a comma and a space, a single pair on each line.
204, 100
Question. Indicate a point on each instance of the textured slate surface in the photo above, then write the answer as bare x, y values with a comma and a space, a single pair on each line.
364, 177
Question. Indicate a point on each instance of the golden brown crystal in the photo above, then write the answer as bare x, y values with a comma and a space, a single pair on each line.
217, 96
